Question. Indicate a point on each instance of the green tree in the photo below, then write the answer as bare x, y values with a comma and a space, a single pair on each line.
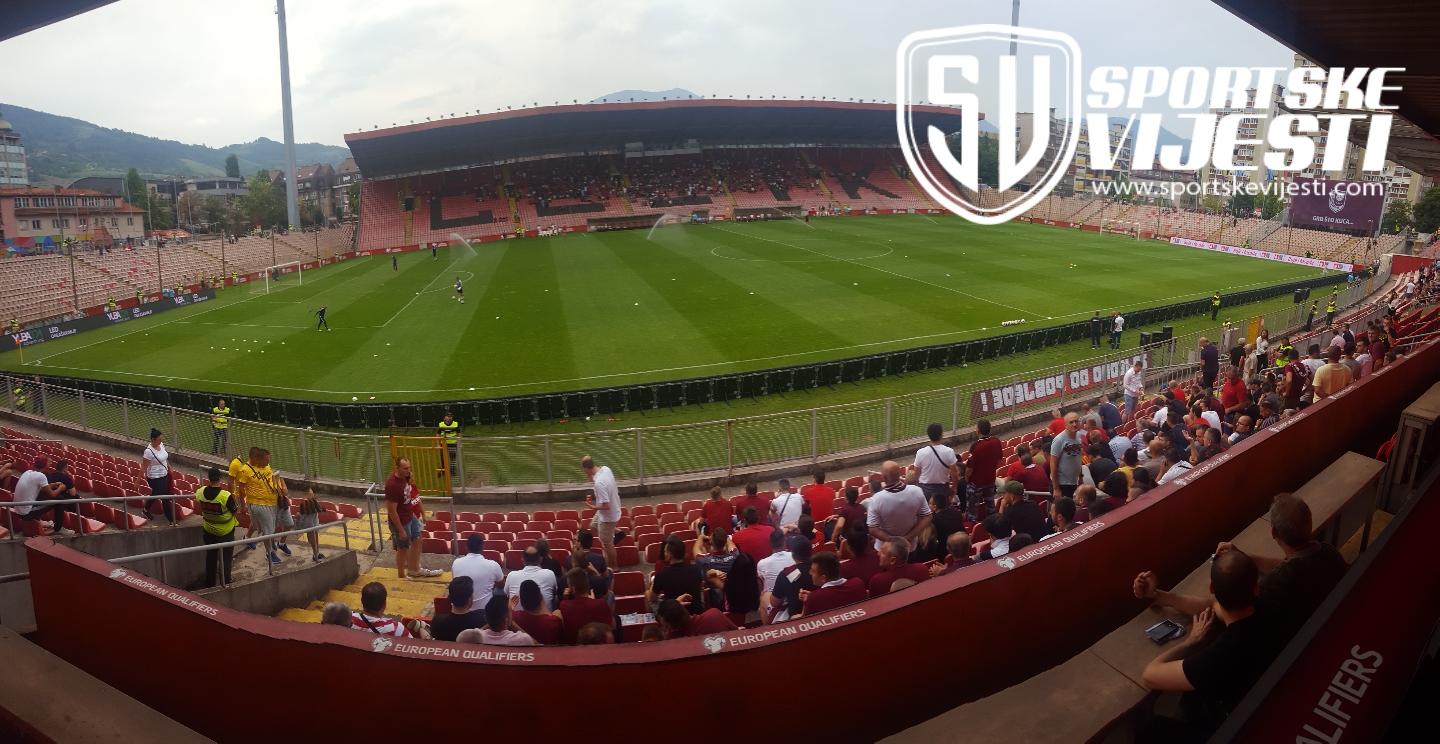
1242, 204
1269, 204
134, 189
352, 195
1427, 211
1398, 216
1211, 202
989, 153
232, 166
215, 212
265, 204
161, 218
317, 215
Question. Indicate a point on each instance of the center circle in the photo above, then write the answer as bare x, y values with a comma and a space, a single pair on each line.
789, 254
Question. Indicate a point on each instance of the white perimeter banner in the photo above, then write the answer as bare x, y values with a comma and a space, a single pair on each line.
1267, 255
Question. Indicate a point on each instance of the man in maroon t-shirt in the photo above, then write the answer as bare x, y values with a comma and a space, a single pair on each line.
535, 618
980, 469
581, 608
820, 497
831, 590
893, 557
717, 513
1033, 477
754, 539
399, 491
679, 623
751, 498
864, 561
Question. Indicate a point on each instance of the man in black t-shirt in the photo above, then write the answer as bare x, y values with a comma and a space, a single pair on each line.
61, 475
680, 581
1222, 671
447, 626
1096, 326
785, 599
1297, 584
1025, 515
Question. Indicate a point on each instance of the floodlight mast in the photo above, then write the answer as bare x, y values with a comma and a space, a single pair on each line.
292, 208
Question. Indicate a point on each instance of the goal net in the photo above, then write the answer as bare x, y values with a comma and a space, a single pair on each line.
283, 275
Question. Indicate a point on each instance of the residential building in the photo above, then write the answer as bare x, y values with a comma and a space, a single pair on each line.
73, 214
1025, 132
1089, 180
13, 171
1248, 155
314, 184
348, 173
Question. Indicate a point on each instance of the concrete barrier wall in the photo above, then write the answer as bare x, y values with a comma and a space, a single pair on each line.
271, 594
1057, 597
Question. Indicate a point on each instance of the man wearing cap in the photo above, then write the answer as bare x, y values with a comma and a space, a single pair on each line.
785, 600
1025, 515
894, 555
899, 510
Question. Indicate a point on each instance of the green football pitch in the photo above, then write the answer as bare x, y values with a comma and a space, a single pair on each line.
590, 310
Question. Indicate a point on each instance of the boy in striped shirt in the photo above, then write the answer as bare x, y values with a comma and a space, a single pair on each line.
372, 618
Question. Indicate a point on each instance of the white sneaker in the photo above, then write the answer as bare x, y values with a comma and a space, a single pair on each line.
64, 531
427, 572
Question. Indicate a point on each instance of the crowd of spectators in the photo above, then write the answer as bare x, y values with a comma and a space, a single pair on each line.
656, 179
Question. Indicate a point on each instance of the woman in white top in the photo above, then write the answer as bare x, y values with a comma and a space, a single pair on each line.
1262, 349
156, 462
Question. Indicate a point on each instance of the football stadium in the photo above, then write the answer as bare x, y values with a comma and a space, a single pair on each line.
724, 382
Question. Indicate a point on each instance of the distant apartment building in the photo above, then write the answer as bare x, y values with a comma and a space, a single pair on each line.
1086, 179
1248, 154
348, 173
314, 187
1052, 131
59, 214
13, 170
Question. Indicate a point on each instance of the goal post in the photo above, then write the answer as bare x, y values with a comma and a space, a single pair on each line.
279, 274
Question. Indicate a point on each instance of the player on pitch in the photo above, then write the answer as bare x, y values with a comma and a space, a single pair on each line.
459, 291
321, 315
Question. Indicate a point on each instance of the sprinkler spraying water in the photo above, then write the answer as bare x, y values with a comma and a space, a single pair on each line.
471, 248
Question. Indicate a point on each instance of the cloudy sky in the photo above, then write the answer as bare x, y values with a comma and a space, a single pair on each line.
207, 72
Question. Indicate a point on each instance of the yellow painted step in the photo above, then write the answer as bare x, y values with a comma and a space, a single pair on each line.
395, 606
299, 616
397, 592
380, 573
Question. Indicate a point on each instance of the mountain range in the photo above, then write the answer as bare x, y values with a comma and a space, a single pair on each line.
62, 149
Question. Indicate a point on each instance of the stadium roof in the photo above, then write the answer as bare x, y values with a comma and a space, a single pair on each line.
1378, 33
484, 139
22, 16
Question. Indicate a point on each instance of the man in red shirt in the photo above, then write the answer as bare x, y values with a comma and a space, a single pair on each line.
535, 618
581, 608
831, 590
754, 539
404, 529
762, 505
864, 561
820, 497
980, 469
1058, 424
1234, 395
1033, 477
716, 513
679, 623
893, 557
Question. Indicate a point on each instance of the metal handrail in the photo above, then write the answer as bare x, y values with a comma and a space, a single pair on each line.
243, 541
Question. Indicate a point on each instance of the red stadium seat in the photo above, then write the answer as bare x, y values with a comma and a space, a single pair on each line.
493, 517
642, 509
443, 516
529, 534
445, 535
569, 525
626, 583
514, 560
464, 527
521, 517
652, 552
687, 535
543, 516
646, 540
512, 526
521, 545
686, 506
567, 514
824, 547
667, 508
554, 535
432, 525
692, 515
559, 546
350, 510
326, 517
442, 605
627, 555
646, 520
494, 555
587, 515
434, 545
498, 535
631, 605
468, 517
500, 546
537, 526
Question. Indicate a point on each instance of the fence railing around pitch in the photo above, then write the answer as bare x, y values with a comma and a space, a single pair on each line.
638, 454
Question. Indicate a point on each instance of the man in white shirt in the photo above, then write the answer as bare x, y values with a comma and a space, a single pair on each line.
543, 577
939, 468
1409, 289
779, 560
487, 574
606, 503
1175, 466
787, 505
1117, 325
900, 510
33, 487
1134, 387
